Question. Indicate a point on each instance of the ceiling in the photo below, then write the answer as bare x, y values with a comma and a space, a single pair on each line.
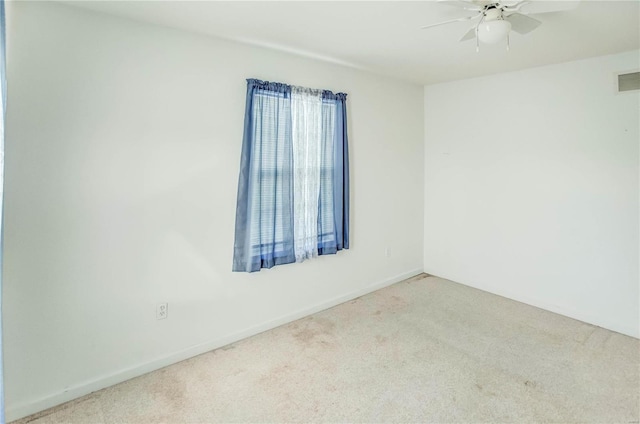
385, 36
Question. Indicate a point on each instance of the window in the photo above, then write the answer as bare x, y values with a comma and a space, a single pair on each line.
629, 81
293, 196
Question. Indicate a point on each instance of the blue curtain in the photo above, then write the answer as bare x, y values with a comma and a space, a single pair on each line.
3, 99
264, 232
341, 173
264, 215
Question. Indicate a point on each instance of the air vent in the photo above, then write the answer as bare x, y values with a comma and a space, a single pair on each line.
629, 82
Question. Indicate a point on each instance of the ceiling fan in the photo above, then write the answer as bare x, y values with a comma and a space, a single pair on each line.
497, 18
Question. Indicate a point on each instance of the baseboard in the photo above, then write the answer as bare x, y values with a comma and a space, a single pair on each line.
15, 412
547, 306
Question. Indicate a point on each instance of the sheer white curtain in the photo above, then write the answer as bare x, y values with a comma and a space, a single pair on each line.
306, 131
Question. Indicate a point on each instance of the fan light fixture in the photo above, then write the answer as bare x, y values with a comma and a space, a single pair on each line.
491, 32
493, 20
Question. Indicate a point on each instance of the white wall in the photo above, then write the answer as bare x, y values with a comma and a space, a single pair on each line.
531, 188
122, 155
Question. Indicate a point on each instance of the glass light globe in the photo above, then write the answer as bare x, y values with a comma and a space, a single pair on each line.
490, 32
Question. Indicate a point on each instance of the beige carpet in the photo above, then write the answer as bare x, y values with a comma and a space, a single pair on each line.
423, 350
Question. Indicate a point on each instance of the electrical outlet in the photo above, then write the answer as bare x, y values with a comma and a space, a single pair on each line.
162, 311
387, 252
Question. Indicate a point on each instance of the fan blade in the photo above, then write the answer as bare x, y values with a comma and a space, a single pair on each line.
470, 35
522, 24
510, 4
467, 5
540, 6
467, 18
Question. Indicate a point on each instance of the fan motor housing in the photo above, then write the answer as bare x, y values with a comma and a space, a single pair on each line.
492, 14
